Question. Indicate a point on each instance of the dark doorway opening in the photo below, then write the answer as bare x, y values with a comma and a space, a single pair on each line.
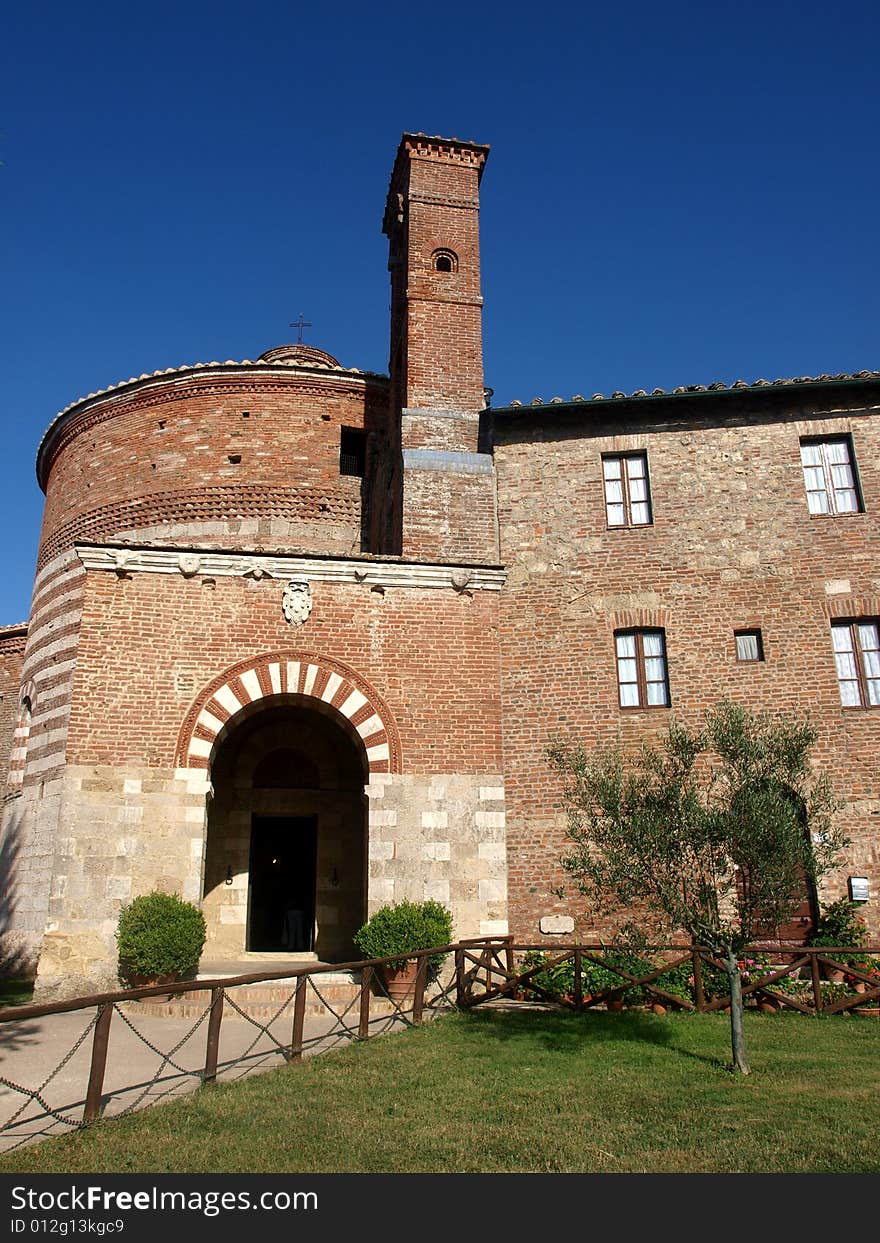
803, 922
288, 784
283, 866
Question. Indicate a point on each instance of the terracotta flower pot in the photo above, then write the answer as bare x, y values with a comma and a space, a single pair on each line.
134, 979
400, 985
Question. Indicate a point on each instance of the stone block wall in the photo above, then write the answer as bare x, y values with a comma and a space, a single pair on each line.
440, 837
119, 831
27, 851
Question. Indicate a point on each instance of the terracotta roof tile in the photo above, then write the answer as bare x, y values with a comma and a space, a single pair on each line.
717, 386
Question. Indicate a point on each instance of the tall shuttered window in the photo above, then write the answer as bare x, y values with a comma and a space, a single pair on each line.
642, 680
627, 494
830, 476
857, 656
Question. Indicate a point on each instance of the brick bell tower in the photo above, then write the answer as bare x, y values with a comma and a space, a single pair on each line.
445, 486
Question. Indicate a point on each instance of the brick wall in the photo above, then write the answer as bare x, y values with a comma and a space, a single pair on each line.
431, 655
433, 204
226, 458
732, 546
446, 491
129, 818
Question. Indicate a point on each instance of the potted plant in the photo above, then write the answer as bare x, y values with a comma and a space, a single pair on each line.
839, 924
160, 939
396, 931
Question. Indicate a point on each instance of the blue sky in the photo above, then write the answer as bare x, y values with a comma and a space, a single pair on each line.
676, 193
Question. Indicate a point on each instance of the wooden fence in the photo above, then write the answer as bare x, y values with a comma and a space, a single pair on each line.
796, 978
487, 969
303, 981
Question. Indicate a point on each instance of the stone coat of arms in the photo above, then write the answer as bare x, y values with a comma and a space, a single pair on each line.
296, 603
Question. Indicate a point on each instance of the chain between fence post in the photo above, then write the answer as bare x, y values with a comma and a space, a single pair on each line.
100, 1041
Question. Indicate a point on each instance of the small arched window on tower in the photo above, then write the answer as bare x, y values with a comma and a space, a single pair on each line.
18, 755
444, 260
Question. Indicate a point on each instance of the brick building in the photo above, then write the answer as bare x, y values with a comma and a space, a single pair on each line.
300, 634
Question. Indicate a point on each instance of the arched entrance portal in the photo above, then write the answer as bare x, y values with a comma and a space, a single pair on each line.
285, 863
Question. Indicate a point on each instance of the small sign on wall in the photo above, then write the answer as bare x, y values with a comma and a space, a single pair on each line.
859, 889
556, 924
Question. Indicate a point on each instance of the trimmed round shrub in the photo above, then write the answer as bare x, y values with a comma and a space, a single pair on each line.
159, 935
404, 927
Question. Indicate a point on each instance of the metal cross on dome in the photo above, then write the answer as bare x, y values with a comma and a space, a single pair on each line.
299, 325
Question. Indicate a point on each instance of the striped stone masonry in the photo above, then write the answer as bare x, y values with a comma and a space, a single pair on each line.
440, 837
289, 673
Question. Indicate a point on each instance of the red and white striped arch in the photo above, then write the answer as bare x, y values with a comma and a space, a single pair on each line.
289, 673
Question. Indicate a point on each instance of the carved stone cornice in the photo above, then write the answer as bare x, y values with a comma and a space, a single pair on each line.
127, 559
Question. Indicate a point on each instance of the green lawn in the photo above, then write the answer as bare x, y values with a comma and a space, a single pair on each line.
523, 1091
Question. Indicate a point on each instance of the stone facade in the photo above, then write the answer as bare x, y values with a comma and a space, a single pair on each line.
300, 635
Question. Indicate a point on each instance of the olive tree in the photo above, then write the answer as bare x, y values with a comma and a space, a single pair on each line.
713, 832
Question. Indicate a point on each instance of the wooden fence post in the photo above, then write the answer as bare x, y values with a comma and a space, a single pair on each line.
817, 981
364, 1023
99, 1062
299, 1018
699, 995
459, 978
419, 995
578, 979
213, 1043
508, 954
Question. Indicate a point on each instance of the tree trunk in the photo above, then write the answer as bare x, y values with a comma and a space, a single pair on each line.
737, 1039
